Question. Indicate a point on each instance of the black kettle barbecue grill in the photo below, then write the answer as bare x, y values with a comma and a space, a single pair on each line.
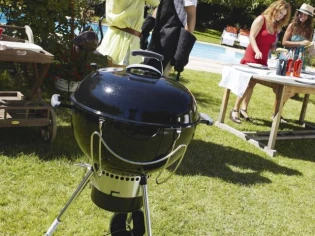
130, 123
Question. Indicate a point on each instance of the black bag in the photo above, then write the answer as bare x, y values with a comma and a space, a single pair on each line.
185, 44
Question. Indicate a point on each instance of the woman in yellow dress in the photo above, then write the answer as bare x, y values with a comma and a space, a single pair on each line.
125, 19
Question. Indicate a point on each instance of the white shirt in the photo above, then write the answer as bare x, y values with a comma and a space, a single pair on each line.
179, 6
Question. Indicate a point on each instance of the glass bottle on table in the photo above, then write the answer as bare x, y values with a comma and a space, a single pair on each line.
297, 66
289, 64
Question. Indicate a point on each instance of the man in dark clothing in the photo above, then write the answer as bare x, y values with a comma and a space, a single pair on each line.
173, 22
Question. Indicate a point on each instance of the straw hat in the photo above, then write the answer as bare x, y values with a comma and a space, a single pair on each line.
307, 9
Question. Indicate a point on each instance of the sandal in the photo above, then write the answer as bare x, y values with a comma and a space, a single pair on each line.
234, 118
282, 120
243, 114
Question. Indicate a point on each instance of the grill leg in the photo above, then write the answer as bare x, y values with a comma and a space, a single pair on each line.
146, 208
128, 221
77, 192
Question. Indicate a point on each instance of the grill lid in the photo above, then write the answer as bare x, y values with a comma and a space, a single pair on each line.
138, 95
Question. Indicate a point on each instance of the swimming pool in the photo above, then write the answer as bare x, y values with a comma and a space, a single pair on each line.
217, 53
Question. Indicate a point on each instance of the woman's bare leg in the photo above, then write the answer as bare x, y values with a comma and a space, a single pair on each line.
247, 98
244, 101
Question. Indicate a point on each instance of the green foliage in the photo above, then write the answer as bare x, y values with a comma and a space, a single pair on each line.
17, 75
253, 4
6, 80
219, 16
248, 4
216, 14
54, 23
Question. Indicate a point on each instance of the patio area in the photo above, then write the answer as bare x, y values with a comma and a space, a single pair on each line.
202, 64
209, 65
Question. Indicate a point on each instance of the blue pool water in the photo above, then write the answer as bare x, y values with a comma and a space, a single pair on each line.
216, 53
201, 50
207, 51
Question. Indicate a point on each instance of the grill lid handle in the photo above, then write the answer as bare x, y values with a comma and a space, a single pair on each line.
56, 102
148, 54
143, 70
205, 119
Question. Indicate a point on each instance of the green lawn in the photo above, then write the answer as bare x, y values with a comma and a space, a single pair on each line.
225, 186
208, 35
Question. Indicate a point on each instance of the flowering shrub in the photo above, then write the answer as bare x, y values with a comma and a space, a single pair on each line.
74, 67
54, 24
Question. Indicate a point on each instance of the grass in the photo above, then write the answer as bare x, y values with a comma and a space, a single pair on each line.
225, 186
208, 35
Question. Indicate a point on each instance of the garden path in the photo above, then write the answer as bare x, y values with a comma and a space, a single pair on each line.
202, 64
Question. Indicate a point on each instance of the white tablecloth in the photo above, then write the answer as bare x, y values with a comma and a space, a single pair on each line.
236, 78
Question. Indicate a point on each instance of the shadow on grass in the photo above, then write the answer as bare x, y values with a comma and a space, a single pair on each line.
299, 149
229, 164
205, 101
202, 158
27, 141
291, 125
300, 97
202, 97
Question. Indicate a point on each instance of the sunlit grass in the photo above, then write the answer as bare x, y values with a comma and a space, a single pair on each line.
224, 186
208, 35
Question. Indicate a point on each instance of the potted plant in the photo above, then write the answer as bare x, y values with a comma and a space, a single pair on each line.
73, 54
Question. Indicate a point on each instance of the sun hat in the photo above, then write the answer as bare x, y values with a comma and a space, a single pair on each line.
307, 9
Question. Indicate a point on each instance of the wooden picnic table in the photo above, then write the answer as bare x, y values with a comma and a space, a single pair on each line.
17, 51
17, 110
284, 88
